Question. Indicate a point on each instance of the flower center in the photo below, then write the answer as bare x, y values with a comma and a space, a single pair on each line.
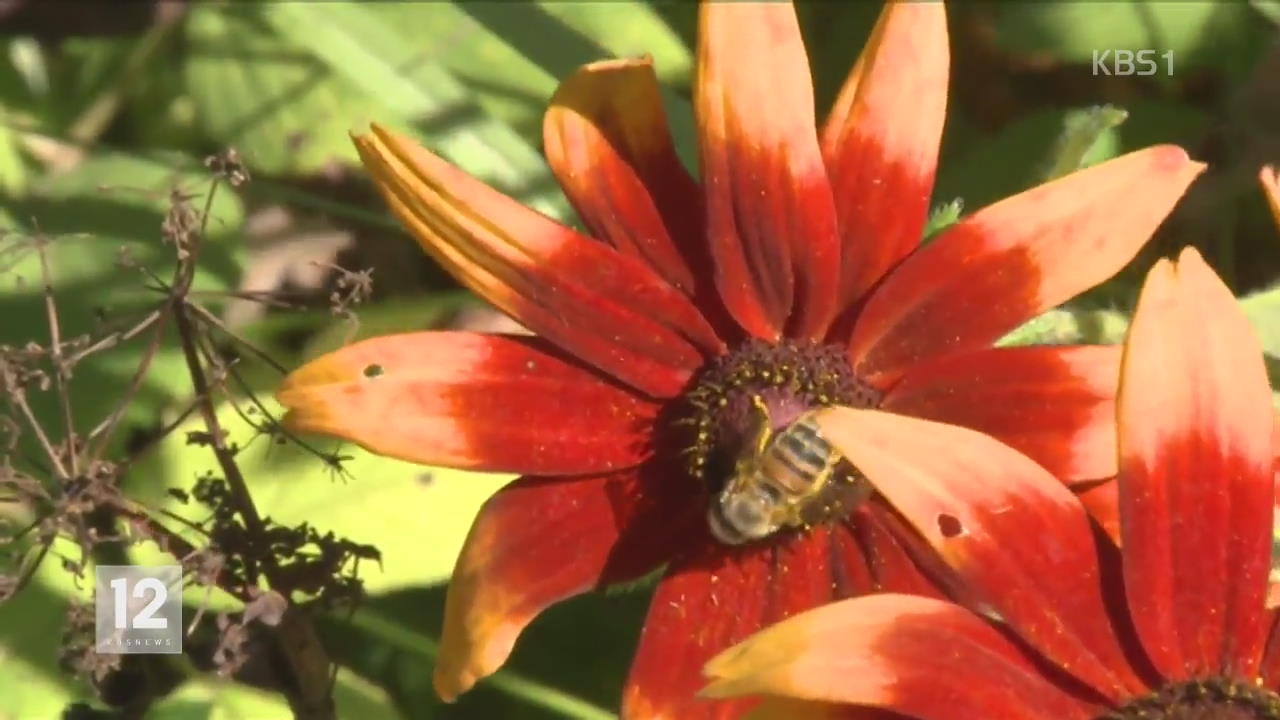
748, 438
1205, 699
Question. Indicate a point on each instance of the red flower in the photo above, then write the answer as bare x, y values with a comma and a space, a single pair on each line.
1173, 625
790, 278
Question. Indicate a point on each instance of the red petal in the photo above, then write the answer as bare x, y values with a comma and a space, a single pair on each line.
1269, 671
482, 402
921, 657
607, 140
1010, 530
882, 537
712, 598
881, 140
1196, 480
1054, 404
611, 310
1015, 259
541, 540
770, 217
775, 708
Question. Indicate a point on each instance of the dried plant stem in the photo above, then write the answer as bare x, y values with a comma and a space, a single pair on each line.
309, 690
19, 399
61, 375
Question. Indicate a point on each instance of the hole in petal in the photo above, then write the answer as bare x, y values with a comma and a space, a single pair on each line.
949, 525
373, 371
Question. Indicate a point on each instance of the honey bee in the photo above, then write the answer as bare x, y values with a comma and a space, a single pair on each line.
779, 480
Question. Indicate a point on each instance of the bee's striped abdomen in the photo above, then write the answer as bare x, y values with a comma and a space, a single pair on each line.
799, 457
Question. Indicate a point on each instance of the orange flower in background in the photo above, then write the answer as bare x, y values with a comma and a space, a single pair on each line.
1172, 625
1271, 185
790, 278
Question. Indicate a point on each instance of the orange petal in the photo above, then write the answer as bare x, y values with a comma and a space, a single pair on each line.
976, 502
1271, 186
483, 402
924, 658
607, 140
881, 140
1101, 499
1196, 480
542, 540
1013, 260
1055, 404
771, 220
609, 309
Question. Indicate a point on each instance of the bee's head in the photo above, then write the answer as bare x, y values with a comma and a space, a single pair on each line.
745, 512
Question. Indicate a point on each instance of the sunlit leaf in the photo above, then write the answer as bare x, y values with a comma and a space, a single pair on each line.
279, 105
101, 223
1088, 137
415, 516
31, 630
942, 217
209, 698
1263, 310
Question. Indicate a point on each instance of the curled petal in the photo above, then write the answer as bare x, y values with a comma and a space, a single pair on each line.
483, 402
1271, 186
771, 220
1196, 480
1013, 260
609, 309
714, 597
922, 657
881, 140
1102, 500
541, 540
1055, 404
1012, 532
607, 140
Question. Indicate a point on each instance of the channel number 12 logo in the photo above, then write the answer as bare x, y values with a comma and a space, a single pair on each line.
138, 609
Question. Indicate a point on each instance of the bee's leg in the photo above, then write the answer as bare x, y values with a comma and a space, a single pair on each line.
752, 450
763, 431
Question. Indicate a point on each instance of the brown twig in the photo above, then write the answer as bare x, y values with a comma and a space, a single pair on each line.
61, 369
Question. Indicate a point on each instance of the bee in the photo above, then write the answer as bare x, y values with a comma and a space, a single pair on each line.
779, 480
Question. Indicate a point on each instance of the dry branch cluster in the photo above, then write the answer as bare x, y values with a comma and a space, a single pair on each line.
68, 482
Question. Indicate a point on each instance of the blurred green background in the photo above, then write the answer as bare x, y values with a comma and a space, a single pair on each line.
106, 107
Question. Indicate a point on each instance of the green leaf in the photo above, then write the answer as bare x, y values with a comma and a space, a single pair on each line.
995, 166
1088, 136
1263, 310
394, 636
942, 217
353, 42
1270, 9
31, 626
1196, 33
416, 516
1068, 325
209, 698
109, 207
990, 167
274, 101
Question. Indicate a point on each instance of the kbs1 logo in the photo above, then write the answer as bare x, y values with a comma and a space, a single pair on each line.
1132, 62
